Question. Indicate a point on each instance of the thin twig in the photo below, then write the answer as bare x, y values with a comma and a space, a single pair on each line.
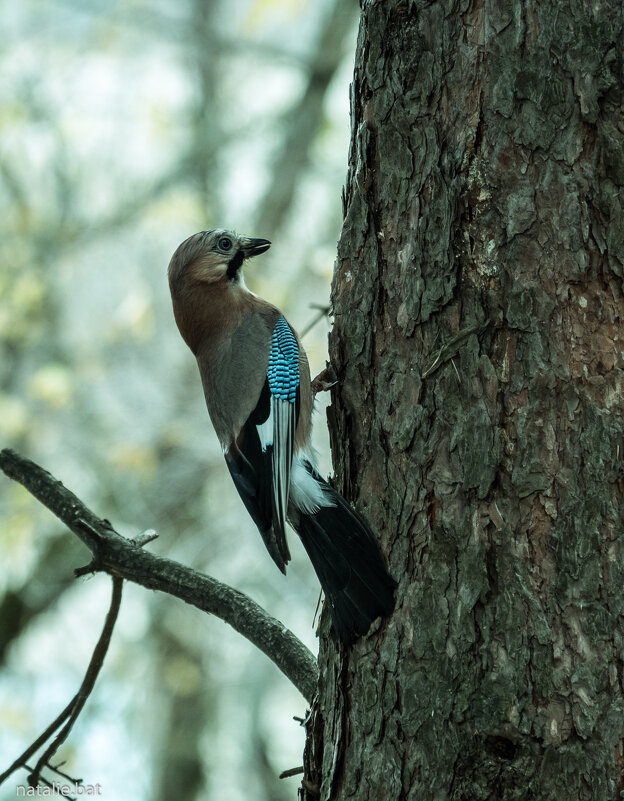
48, 784
323, 311
145, 537
95, 665
20, 762
56, 769
318, 606
285, 774
74, 707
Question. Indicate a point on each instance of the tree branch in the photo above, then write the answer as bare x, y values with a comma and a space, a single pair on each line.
70, 714
118, 556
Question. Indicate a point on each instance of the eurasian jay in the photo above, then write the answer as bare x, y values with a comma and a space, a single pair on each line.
256, 383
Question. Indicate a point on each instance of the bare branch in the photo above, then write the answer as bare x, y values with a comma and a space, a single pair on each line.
95, 665
70, 714
286, 774
121, 557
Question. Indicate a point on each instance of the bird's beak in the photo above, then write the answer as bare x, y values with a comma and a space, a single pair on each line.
253, 247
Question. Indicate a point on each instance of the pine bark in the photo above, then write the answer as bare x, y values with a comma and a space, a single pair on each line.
479, 416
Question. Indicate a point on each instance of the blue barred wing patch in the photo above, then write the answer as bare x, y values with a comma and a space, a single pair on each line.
283, 371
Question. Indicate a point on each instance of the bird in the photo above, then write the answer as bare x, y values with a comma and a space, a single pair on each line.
256, 383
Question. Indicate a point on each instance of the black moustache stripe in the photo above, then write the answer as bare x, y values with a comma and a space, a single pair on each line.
235, 264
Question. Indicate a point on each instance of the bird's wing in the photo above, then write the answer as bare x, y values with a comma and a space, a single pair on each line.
260, 458
283, 380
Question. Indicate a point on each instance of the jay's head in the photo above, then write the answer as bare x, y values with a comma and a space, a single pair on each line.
212, 257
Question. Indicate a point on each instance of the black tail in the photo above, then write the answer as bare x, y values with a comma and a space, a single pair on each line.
349, 565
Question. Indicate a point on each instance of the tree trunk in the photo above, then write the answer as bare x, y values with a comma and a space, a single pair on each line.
479, 414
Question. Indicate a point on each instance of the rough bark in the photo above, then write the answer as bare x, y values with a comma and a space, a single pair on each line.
479, 414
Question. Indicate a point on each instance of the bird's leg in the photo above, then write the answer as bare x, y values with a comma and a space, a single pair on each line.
322, 383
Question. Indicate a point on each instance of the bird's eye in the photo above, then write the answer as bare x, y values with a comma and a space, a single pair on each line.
225, 243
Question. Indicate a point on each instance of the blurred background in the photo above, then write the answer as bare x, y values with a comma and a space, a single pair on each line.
124, 128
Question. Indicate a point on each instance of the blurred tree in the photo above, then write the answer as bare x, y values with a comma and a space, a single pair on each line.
183, 708
304, 118
126, 127
479, 414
